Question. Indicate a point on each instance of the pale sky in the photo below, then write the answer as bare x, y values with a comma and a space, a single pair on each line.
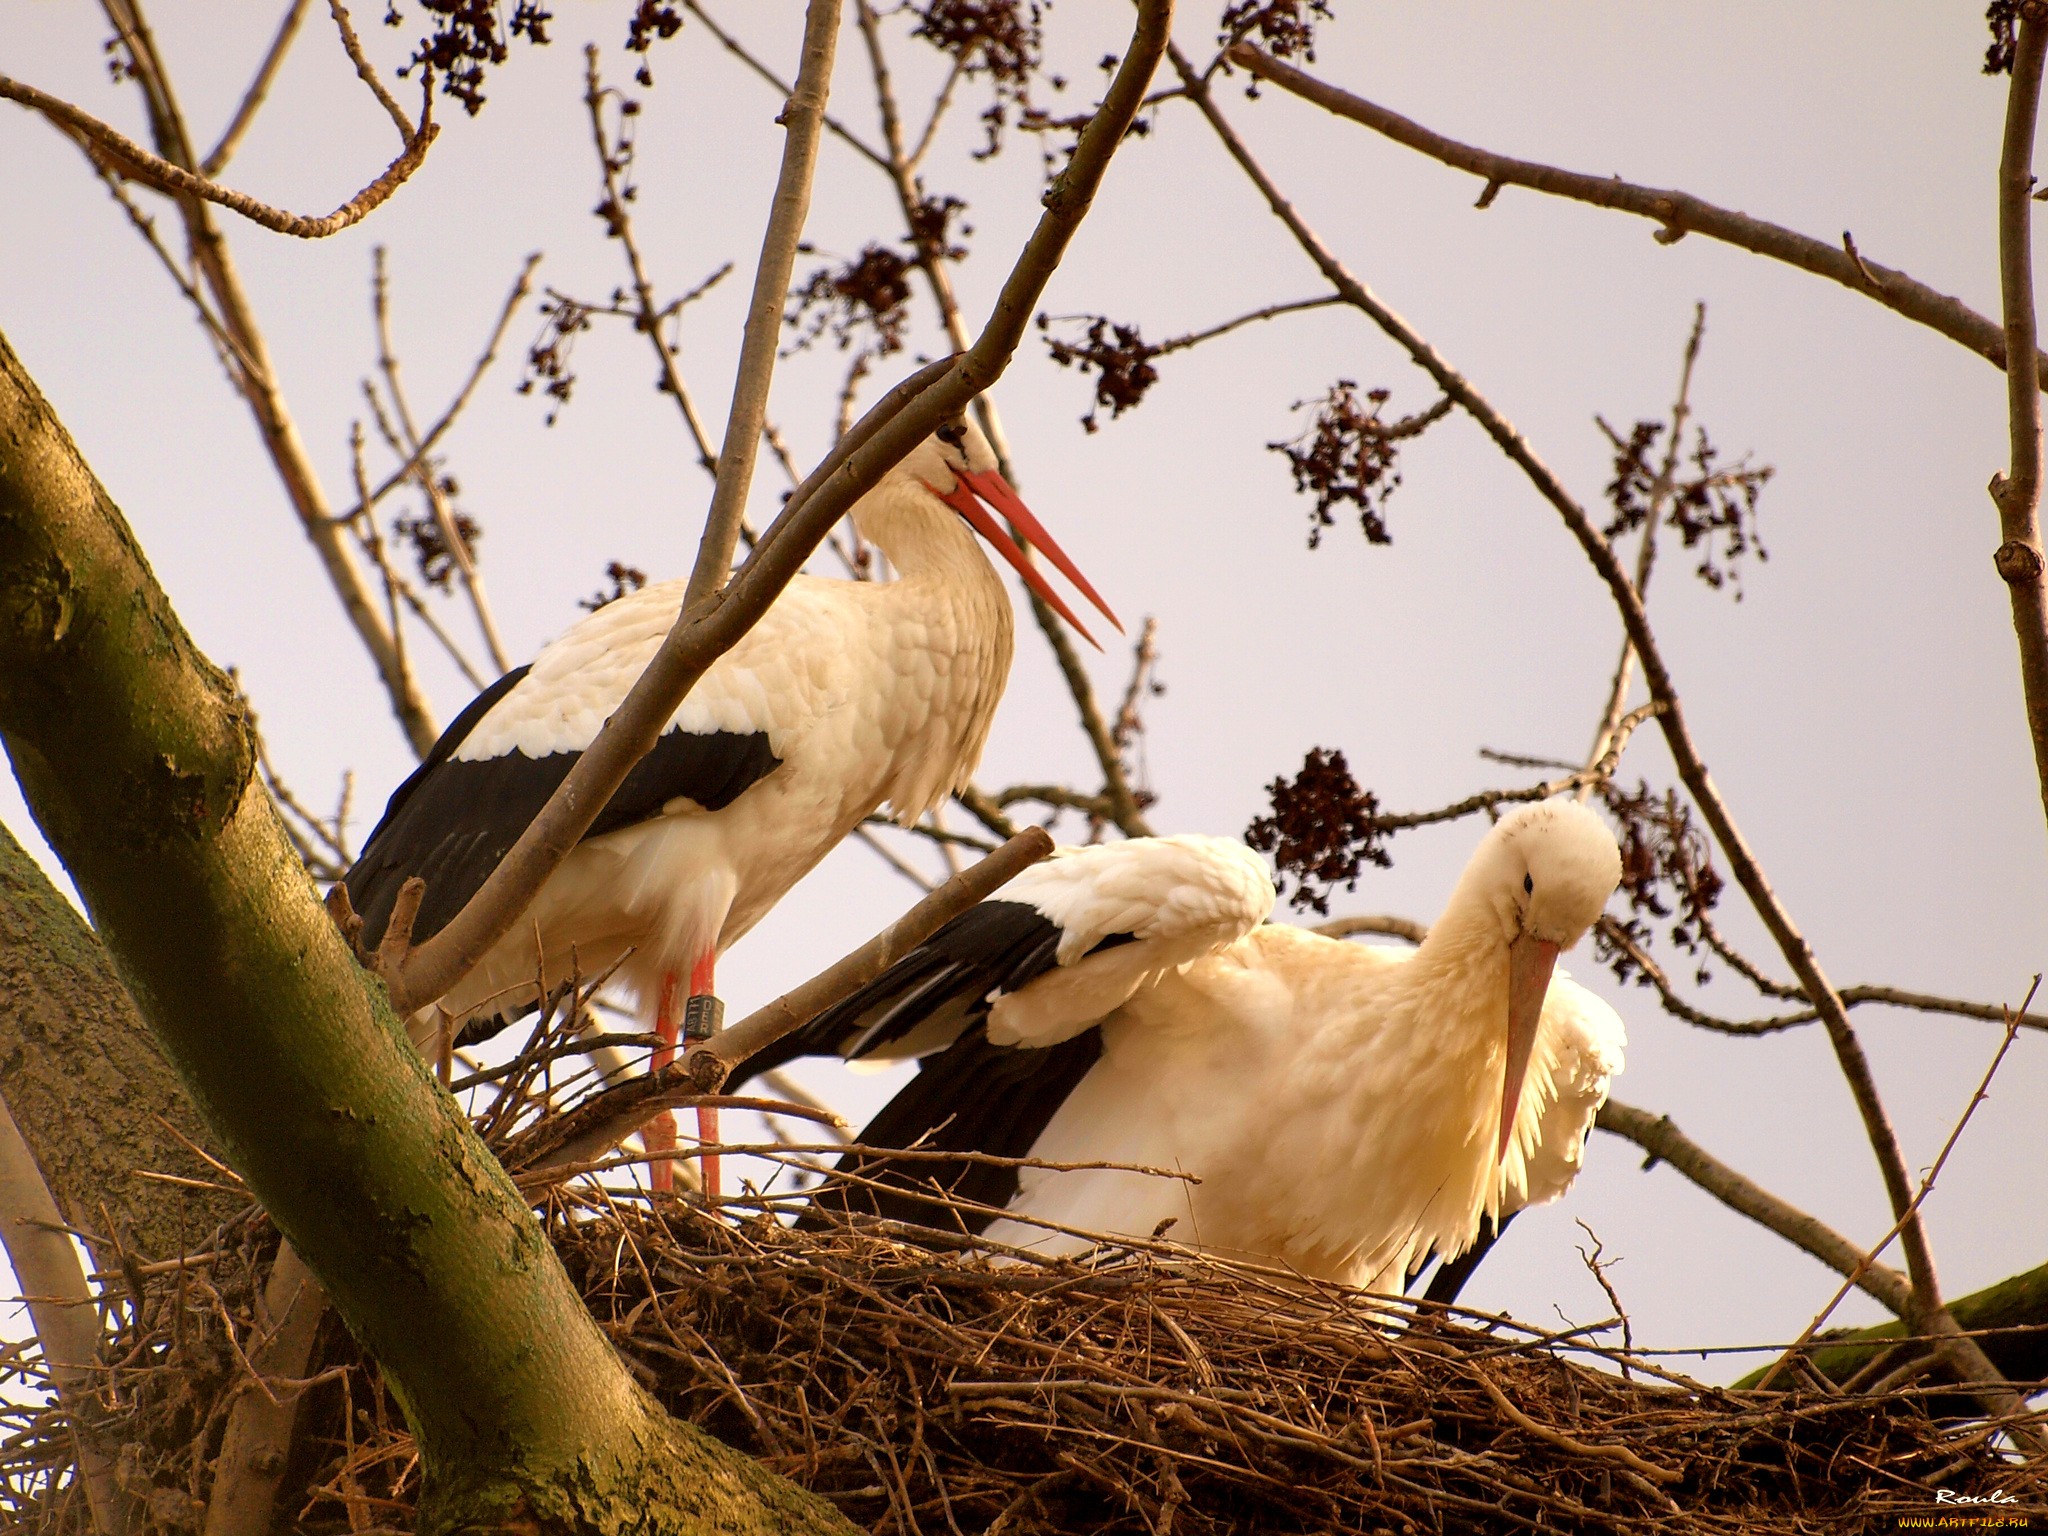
1859, 708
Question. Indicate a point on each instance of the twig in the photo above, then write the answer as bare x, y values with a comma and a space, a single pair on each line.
2018, 495
738, 50
1665, 1143
1677, 213
367, 73
138, 164
1748, 872
1949, 1341
1646, 554
647, 316
900, 420
410, 465
259, 89
60, 1306
802, 120
408, 447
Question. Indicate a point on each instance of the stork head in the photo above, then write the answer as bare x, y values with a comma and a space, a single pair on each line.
957, 466
1544, 873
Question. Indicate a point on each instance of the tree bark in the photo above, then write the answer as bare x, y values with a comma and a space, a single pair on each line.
139, 765
87, 1083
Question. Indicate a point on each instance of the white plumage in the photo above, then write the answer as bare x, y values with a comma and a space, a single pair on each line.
1341, 1106
846, 697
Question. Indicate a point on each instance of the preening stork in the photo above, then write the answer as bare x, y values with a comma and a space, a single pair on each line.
845, 696
1345, 1111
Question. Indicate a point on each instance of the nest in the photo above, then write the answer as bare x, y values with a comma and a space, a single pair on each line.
1143, 1390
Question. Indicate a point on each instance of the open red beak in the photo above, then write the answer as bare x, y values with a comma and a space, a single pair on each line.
970, 489
1530, 962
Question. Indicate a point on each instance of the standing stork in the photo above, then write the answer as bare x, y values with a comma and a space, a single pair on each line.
1345, 1112
845, 695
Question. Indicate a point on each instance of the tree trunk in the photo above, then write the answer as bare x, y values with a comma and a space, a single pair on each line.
136, 759
86, 1082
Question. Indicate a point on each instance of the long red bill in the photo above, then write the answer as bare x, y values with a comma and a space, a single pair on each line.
1530, 962
970, 489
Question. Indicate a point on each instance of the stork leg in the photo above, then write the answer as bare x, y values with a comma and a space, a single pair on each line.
702, 1013
659, 1134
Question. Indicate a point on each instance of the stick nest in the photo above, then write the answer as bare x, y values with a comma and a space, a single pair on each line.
1144, 1391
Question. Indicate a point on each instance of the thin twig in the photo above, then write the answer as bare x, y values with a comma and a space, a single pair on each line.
259, 89
739, 51
1869, 1257
408, 448
1666, 1143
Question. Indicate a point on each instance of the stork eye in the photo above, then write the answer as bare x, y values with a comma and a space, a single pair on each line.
1528, 885
952, 432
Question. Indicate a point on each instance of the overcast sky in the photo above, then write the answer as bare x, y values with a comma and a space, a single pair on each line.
1859, 707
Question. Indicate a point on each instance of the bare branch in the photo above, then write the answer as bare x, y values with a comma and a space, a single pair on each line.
1646, 554
739, 51
601, 1121
63, 1311
900, 420
647, 315
802, 119
409, 467
130, 159
1665, 1143
1677, 213
259, 89
2018, 495
367, 73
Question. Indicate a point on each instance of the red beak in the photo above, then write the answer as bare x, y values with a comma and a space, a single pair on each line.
1530, 962
970, 489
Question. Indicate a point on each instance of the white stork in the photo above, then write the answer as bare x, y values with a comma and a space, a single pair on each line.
1346, 1111
846, 695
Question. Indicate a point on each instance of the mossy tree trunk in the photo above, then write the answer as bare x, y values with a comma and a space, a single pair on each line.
139, 767
87, 1083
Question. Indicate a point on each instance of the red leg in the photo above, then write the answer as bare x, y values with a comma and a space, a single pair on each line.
659, 1134
702, 985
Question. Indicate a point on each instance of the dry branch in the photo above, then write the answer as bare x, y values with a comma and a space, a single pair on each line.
131, 160
1676, 213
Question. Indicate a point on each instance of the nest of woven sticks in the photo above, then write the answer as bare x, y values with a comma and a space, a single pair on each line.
940, 1391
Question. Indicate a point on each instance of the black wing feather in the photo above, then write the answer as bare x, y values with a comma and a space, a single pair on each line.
451, 822
970, 1097
993, 948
